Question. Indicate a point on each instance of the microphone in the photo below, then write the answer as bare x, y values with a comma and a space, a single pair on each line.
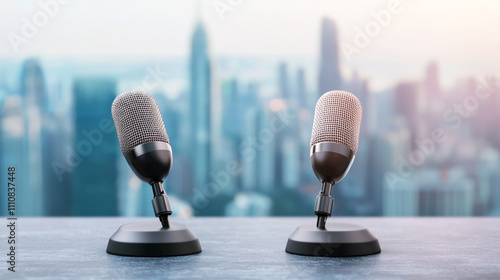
334, 144
145, 144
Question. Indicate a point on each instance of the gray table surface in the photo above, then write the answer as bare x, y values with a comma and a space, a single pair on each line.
254, 248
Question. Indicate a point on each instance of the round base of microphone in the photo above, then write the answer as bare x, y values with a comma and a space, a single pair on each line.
335, 240
150, 239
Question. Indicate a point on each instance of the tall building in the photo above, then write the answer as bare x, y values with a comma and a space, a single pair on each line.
408, 104
329, 74
13, 154
200, 107
56, 135
488, 114
249, 124
95, 175
289, 152
432, 87
284, 88
232, 112
359, 87
391, 191
488, 181
304, 113
32, 85
432, 99
301, 91
33, 93
291, 161
232, 128
266, 152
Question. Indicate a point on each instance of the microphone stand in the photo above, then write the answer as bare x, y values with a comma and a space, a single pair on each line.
148, 239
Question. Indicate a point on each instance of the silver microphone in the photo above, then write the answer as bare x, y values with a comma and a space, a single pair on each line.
145, 144
334, 144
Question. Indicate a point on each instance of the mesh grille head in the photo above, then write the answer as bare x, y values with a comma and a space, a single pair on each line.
337, 119
137, 120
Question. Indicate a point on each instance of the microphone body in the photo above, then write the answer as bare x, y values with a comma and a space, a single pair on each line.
334, 143
145, 144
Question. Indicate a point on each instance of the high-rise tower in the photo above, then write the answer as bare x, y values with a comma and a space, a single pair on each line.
432, 81
200, 107
95, 175
329, 74
32, 90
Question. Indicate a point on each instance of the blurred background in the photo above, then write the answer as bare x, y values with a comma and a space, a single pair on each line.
236, 83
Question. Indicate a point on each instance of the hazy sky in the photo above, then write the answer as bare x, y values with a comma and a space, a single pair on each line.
463, 36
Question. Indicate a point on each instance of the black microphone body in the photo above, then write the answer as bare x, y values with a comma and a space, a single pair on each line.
145, 144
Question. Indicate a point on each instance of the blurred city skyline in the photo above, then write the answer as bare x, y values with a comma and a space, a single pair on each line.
240, 123
456, 34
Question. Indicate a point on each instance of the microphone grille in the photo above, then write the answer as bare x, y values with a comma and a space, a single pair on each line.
337, 119
137, 120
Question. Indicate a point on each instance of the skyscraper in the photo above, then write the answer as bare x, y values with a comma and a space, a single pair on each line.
32, 90
95, 175
359, 87
432, 98
382, 157
32, 85
200, 107
408, 104
432, 81
249, 124
304, 99
55, 136
329, 74
284, 90
288, 145
266, 156
13, 154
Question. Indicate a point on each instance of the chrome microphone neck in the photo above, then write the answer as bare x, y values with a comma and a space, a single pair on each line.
331, 161
151, 162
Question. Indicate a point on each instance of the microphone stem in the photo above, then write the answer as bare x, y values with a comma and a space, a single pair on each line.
321, 221
324, 204
161, 204
157, 188
165, 220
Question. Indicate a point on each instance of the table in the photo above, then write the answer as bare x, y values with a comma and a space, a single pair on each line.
254, 248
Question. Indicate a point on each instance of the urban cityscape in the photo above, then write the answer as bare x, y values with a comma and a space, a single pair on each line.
241, 143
